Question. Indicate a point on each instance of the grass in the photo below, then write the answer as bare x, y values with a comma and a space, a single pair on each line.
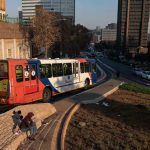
135, 88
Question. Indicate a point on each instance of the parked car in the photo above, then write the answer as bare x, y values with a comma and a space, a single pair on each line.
146, 75
138, 71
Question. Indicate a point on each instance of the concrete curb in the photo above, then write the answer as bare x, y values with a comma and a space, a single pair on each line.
76, 107
41, 111
19, 139
103, 96
67, 121
57, 128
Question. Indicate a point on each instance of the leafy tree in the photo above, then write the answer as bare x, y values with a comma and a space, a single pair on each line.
44, 31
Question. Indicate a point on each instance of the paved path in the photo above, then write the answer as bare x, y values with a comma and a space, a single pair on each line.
46, 139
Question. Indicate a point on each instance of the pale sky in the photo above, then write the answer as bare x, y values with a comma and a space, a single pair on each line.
90, 13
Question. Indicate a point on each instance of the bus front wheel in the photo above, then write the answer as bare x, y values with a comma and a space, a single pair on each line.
46, 95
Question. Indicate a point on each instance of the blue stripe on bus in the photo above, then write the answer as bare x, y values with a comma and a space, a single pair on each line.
45, 81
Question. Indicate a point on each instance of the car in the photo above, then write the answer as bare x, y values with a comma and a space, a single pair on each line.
138, 71
146, 75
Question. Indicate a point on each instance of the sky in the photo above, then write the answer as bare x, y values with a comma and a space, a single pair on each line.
90, 13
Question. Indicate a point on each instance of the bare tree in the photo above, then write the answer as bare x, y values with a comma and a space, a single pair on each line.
45, 29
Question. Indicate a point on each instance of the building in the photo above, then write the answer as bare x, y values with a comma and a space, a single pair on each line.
12, 43
96, 37
2, 10
98, 29
65, 7
108, 35
111, 26
133, 18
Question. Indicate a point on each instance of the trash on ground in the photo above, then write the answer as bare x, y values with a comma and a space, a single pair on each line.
105, 104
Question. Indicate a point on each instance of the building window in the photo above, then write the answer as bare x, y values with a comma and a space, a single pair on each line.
9, 53
1, 17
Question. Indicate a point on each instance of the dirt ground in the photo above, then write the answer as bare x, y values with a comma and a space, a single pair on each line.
121, 122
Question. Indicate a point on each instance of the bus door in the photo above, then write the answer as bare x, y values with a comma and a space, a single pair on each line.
30, 79
17, 82
76, 72
68, 73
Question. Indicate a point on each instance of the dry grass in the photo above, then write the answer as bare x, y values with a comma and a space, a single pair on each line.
123, 125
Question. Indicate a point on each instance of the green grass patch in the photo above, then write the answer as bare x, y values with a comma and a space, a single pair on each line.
135, 88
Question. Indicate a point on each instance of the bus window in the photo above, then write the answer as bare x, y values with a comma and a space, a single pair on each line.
82, 67
87, 67
19, 73
57, 70
75, 69
45, 71
67, 67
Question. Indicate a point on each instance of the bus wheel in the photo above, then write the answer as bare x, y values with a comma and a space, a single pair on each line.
46, 95
86, 83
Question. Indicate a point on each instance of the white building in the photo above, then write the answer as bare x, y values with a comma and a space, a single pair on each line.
65, 7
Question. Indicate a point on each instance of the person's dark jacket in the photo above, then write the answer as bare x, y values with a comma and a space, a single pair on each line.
27, 121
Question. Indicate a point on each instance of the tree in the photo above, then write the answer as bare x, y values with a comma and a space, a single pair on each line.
45, 31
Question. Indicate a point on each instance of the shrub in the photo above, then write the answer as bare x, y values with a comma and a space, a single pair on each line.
135, 88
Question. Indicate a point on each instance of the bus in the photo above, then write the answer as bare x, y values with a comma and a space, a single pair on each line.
24, 81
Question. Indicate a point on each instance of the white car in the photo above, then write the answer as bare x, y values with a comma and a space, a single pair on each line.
138, 71
146, 75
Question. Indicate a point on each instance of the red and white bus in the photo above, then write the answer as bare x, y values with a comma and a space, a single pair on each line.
25, 81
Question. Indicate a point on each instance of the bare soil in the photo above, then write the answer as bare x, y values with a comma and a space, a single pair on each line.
122, 125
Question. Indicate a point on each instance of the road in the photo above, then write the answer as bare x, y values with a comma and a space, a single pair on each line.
126, 71
47, 135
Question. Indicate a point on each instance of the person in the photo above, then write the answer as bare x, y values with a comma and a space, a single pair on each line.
27, 124
16, 120
118, 74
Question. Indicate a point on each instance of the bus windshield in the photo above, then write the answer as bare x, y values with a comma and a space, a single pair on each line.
3, 79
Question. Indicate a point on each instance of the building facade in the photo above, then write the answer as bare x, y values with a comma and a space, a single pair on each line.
108, 35
2, 10
133, 18
111, 26
65, 7
12, 43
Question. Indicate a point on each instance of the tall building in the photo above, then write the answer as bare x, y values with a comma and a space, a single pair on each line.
2, 10
111, 26
65, 7
133, 18
108, 35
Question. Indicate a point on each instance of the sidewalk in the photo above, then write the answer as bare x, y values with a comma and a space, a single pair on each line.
48, 137
8, 140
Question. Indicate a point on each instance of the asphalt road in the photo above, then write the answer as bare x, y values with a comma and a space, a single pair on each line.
126, 71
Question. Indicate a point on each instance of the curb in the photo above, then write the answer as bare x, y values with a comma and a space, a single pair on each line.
13, 141
76, 107
20, 139
103, 96
57, 129
66, 124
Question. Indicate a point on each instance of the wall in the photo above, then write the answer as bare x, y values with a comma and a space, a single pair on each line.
12, 43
